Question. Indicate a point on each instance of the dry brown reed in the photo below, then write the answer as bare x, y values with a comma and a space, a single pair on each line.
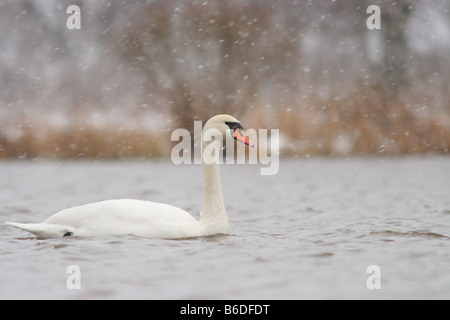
39, 139
363, 124
359, 124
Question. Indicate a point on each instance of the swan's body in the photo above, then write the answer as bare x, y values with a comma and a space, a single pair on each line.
144, 218
117, 217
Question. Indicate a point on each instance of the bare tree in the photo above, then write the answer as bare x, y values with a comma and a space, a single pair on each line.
395, 17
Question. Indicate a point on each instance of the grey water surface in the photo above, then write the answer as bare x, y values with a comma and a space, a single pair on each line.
309, 232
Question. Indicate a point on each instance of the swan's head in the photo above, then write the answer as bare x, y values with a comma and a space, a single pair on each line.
228, 125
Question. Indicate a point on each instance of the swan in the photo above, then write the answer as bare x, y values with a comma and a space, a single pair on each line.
150, 219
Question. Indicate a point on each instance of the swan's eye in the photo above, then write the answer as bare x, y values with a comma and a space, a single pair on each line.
68, 234
233, 125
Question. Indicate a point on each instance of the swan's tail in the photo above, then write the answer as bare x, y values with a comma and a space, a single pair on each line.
44, 230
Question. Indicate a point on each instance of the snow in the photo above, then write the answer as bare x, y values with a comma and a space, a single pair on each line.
267, 62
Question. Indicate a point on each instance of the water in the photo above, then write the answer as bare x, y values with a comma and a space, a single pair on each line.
309, 232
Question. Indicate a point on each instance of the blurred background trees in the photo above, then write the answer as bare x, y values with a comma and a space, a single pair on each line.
139, 69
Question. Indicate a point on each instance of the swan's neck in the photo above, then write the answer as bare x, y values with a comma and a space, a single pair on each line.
213, 214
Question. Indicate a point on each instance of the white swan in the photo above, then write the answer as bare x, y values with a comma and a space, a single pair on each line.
144, 218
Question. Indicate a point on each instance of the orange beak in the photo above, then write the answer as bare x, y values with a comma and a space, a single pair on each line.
239, 135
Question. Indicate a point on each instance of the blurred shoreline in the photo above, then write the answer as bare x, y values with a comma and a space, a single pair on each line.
309, 136
135, 72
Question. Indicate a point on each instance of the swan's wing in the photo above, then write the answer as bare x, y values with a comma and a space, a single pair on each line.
44, 230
